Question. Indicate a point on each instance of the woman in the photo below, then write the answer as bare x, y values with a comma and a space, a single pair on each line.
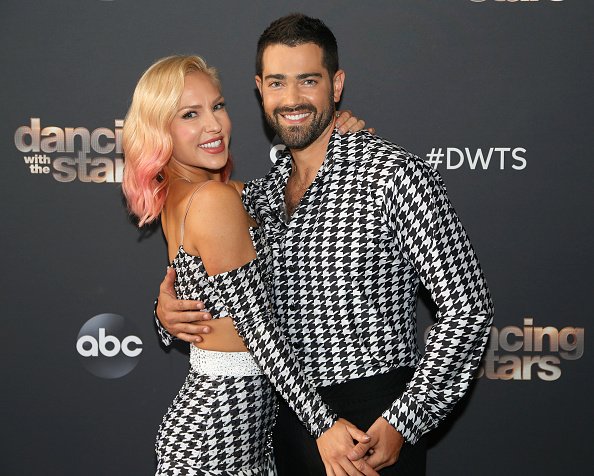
176, 144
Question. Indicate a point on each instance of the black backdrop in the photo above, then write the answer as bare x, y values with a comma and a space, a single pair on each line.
513, 79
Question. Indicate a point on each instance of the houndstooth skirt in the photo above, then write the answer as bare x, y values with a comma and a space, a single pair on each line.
220, 423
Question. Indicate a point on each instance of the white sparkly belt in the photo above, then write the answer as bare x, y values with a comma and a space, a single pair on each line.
228, 364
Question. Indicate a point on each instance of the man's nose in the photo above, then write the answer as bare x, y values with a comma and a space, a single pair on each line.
292, 95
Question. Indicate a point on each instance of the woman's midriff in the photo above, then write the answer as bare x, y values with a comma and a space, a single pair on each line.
222, 337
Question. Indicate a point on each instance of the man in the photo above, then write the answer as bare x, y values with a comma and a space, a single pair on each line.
355, 223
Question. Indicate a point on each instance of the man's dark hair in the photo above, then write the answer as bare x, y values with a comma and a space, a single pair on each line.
296, 29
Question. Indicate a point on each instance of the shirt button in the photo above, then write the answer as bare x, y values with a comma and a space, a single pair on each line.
297, 345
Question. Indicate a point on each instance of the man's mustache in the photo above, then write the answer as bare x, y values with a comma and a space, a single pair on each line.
293, 109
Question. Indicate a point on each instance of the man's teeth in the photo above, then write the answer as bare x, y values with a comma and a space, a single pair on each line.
296, 117
211, 145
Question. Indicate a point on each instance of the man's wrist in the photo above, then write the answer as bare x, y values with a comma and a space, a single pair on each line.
166, 337
155, 305
408, 417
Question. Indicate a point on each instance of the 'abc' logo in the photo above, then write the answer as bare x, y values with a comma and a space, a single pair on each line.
107, 346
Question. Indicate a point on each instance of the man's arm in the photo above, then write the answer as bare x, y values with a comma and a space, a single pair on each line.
177, 318
432, 239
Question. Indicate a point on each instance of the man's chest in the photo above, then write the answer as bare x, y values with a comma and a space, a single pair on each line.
293, 193
335, 223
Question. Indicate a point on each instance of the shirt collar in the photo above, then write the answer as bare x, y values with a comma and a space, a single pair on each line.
282, 171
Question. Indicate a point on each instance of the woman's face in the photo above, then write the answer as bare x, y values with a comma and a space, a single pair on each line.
201, 128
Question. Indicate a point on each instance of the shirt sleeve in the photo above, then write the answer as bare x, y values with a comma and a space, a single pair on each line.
244, 293
251, 190
164, 336
432, 239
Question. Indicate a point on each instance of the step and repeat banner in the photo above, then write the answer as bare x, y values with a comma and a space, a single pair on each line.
495, 94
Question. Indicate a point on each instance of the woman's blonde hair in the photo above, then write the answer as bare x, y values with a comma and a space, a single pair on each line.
147, 141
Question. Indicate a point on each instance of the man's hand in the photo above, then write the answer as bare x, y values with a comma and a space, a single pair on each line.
336, 443
385, 443
180, 318
346, 122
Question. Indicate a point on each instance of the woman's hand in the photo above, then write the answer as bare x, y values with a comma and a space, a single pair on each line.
346, 122
334, 445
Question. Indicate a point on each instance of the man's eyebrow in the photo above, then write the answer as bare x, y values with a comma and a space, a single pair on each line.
275, 76
299, 76
309, 75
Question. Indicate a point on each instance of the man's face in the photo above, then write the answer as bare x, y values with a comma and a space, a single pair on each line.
297, 92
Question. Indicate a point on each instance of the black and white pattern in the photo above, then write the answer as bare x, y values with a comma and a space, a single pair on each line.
218, 426
242, 290
375, 223
222, 423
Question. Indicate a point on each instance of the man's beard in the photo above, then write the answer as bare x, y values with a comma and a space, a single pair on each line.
301, 136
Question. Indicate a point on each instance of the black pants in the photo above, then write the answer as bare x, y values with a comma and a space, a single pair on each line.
360, 401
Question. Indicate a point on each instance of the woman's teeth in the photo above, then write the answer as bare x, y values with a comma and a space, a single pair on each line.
211, 145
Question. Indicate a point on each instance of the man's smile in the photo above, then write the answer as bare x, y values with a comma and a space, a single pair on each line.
296, 118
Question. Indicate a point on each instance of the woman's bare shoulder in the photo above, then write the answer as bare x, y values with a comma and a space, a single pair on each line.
211, 190
217, 228
237, 185
216, 203
218, 194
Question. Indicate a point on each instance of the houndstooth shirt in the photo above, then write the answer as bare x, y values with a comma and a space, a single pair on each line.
375, 222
